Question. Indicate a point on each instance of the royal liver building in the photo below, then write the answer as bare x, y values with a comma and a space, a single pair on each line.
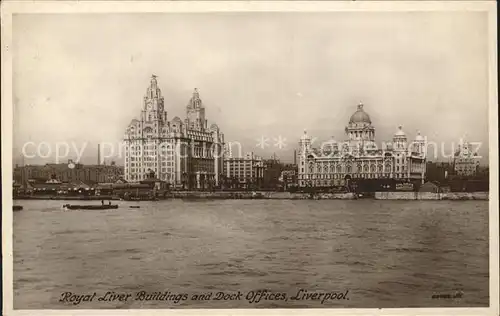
185, 153
359, 157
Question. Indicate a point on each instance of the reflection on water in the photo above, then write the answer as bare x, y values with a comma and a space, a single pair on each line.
385, 253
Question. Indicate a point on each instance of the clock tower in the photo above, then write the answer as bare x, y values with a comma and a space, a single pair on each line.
153, 109
195, 112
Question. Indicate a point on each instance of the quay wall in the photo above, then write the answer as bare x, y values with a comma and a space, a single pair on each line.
431, 196
67, 198
287, 196
260, 195
465, 196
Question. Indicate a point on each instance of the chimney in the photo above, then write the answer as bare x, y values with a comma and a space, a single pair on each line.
295, 157
98, 154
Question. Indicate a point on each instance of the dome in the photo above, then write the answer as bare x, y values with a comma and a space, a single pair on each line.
360, 116
214, 127
400, 132
419, 137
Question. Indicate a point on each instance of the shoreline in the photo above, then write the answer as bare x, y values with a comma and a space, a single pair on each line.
261, 195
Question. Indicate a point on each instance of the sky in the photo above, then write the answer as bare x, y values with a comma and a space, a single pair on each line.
81, 78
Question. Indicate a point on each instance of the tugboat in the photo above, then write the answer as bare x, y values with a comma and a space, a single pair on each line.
17, 207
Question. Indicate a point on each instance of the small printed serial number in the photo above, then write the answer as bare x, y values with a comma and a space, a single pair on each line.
459, 294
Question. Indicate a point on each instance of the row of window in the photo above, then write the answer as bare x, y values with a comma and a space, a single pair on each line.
144, 158
133, 164
150, 151
238, 164
242, 168
348, 169
333, 178
340, 176
196, 154
139, 170
241, 173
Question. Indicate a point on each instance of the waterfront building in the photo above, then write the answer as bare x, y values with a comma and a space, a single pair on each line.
445, 174
64, 173
272, 173
358, 158
184, 153
465, 161
288, 176
248, 170
438, 171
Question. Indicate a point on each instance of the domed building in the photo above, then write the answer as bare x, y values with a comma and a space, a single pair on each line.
358, 160
185, 153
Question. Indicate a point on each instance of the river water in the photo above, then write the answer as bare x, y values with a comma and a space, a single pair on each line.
381, 253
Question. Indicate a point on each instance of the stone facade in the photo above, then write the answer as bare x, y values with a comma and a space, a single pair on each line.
186, 154
247, 170
358, 157
465, 162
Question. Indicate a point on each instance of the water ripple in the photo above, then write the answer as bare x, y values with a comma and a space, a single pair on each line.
386, 253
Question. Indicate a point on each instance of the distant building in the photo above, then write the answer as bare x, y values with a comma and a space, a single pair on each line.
55, 187
289, 176
465, 161
185, 154
63, 173
247, 171
272, 173
438, 171
358, 158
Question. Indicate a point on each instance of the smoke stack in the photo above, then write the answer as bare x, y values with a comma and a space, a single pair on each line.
295, 157
98, 154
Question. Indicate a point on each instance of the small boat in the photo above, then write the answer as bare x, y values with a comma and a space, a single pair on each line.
17, 207
134, 206
89, 207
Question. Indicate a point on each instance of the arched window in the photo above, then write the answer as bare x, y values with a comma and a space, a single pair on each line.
339, 168
348, 169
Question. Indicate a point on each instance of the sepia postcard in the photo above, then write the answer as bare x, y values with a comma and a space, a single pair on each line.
250, 158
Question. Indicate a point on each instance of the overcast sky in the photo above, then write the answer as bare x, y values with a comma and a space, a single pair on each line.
82, 78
